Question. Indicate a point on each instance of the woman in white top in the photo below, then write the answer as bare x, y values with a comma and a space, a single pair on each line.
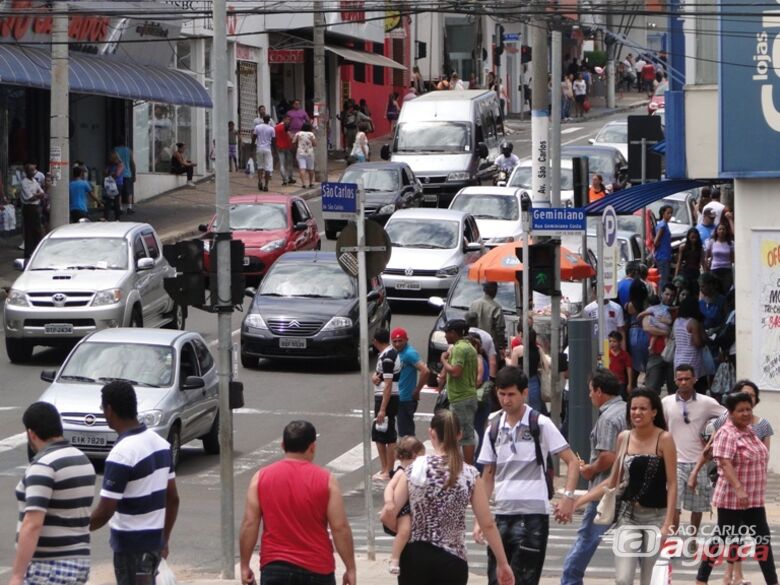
580, 93
360, 149
306, 142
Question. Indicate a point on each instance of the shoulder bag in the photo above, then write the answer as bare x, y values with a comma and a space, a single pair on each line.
668, 353
607, 508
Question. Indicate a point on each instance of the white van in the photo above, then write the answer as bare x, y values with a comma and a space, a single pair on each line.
449, 139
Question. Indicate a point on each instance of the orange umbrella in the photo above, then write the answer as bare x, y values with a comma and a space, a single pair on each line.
502, 265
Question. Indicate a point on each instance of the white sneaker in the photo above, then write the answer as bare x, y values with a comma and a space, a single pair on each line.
21, 246
191, 184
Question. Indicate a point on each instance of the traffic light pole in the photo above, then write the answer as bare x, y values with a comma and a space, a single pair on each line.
224, 298
555, 201
59, 143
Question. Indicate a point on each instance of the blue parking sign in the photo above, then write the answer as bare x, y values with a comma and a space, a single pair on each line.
339, 200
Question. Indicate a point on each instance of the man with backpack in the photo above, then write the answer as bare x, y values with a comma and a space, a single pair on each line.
515, 453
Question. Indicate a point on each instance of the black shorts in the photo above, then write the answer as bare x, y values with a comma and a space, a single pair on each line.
390, 435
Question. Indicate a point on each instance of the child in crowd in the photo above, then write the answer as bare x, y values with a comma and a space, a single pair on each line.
659, 317
620, 362
406, 451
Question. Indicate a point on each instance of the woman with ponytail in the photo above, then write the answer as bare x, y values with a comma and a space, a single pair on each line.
439, 487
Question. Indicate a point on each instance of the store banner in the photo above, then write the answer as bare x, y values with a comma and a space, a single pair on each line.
765, 290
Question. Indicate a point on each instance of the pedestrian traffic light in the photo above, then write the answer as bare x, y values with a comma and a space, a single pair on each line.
580, 180
500, 41
541, 258
525, 54
187, 288
237, 278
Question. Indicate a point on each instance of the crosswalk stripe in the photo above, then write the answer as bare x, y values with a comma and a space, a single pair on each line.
570, 130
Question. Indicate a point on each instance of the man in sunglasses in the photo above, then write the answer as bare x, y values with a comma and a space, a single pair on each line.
686, 414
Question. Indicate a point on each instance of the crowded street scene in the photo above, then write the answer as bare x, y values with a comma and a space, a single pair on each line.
312, 292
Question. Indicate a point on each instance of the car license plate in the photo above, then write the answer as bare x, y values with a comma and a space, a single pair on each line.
408, 285
58, 329
88, 440
246, 260
292, 342
433, 198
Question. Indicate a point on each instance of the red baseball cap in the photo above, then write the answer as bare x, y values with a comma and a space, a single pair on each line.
399, 333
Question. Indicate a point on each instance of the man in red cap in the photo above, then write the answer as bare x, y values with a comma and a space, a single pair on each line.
409, 384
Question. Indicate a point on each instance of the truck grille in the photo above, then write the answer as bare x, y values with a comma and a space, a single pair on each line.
74, 322
70, 299
294, 327
402, 272
80, 419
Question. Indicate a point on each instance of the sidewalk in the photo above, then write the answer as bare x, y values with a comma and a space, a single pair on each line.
599, 109
176, 214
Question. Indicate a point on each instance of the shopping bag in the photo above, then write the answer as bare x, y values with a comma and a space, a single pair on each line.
164, 574
662, 573
586, 105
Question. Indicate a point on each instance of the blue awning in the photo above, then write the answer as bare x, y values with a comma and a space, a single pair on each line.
102, 75
633, 198
660, 147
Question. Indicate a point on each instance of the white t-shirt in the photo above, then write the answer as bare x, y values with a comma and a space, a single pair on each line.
580, 87
265, 135
360, 147
507, 163
717, 207
613, 315
30, 188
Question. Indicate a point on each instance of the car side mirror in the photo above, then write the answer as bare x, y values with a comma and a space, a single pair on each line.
591, 141
19, 264
300, 226
437, 302
48, 375
472, 247
385, 152
145, 264
372, 296
482, 150
193, 383
250, 292
203, 227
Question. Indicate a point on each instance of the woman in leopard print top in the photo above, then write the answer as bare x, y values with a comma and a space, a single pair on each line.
439, 487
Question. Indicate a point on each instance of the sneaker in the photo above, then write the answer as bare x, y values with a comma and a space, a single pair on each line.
130, 211
21, 246
190, 184
284, 183
291, 181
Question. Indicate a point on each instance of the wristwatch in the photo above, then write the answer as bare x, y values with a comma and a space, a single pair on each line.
568, 494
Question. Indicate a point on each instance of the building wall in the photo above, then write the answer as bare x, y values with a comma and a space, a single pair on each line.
429, 27
755, 207
701, 130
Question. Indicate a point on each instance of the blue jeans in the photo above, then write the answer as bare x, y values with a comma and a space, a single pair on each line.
588, 539
136, 568
525, 543
664, 270
535, 395
280, 573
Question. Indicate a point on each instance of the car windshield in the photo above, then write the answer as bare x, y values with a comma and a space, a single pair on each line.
81, 253
522, 178
465, 292
423, 233
598, 163
313, 280
258, 216
485, 206
680, 212
661, 89
373, 179
140, 364
433, 137
617, 133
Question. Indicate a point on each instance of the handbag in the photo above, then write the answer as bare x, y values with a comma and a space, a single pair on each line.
586, 105
442, 401
110, 188
668, 353
545, 377
724, 380
606, 511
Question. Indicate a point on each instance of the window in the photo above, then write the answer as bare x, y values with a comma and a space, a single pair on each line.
138, 249
405, 177
359, 72
379, 72
399, 75
151, 244
204, 355
184, 55
188, 363
303, 212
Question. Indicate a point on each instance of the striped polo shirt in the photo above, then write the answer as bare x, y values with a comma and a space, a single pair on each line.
137, 472
60, 481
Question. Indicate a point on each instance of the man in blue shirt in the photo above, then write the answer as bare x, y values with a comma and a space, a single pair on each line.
707, 226
410, 383
80, 190
624, 286
663, 244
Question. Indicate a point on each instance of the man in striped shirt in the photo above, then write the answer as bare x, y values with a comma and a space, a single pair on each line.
139, 493
55, 495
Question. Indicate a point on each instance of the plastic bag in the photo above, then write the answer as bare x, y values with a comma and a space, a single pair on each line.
662, 573
250, 167
164, 574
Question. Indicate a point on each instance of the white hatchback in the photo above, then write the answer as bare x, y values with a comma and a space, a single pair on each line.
496, 209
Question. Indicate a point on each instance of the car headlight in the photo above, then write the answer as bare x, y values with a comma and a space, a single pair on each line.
449, 271
338, 323
439, 339
107, 297
386, 209
459, 176
17, 298
255, 321
151, 418
275, 245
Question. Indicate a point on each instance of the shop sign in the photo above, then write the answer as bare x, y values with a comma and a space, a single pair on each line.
392, 20
748, 89
246, 53
353, 10
765, 291
285, 56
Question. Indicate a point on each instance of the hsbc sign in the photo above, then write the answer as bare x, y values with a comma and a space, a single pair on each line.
750, 89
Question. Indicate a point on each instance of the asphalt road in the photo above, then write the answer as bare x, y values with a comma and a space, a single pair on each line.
275, 393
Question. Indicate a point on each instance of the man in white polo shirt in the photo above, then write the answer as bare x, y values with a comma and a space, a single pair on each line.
613, 316
686, 414
515, 453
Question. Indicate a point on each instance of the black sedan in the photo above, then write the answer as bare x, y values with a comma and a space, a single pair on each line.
307, 308
389, 186
602, 160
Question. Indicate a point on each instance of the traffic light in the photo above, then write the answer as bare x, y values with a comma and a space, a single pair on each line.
500, 41
187, 288
237, 278
541, 257
580, 180
525, 54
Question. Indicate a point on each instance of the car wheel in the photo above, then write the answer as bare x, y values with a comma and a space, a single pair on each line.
211, 439
174, 438
248, 361
178, 318
136, 317
18, 350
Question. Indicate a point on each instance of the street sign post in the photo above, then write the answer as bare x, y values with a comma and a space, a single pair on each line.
339, 200
558, 221
607, 268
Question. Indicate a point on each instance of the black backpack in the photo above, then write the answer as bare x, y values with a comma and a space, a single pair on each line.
533, 425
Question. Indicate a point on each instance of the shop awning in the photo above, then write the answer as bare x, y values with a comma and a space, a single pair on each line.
364, 57
102, 75
633, 198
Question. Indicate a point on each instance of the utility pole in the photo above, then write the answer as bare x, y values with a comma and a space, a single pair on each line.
611, 52
59, 141
224, 301
555, 201
320, 91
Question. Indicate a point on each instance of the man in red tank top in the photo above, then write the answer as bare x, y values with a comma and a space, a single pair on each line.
296, 501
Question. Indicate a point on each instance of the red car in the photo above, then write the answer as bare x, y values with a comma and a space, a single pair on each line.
658, 101
269, 224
